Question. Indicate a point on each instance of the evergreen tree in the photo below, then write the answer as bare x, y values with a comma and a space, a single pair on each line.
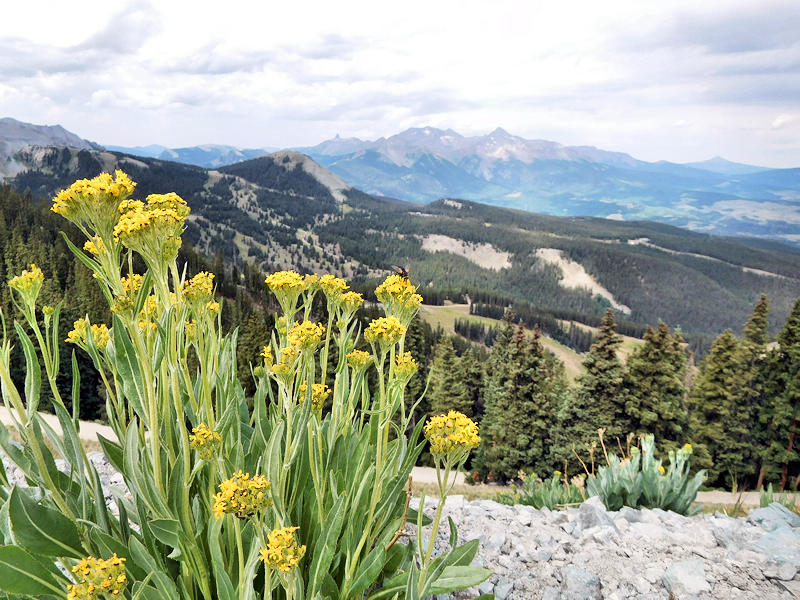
598, 399
782, 408
520, 408
717, 424
472, 377
655, 390
446, 389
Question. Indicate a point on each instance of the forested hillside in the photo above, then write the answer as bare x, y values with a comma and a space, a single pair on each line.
285, 211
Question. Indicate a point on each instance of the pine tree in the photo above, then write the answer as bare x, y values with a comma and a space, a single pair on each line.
782, 408
716, 415
446, 389
520, 410
472, 373
655, 390
597, 400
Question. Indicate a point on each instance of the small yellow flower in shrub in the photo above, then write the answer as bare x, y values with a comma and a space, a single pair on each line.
282, 552
153, 229
212, 308
306, 336
206, 441
661, 469
358, 359
96, 578
399, 298
405, 367
242, 496
333, 287
94, 246
28, 284
266, 354
349, 302
80, 329
199, 288
451, 434
94, 201
319, 393
287, 287
385, 330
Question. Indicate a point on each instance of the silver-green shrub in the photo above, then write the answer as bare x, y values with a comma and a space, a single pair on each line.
640, 480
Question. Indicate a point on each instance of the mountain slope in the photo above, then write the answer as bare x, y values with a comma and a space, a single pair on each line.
286, 211
425, 164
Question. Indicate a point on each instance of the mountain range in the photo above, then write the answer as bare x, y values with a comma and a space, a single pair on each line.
425, 164
285, 210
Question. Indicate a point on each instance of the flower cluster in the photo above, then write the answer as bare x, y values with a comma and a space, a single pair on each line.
80, 329
266, 354
358, 359
385, 330
242, 496
199, 289
333, 287
153, 229
319, 393
405, 367
206, 441
94, 246
305, 335
452, 434
94, 201
28, 284
349, 302
282, 552
287, 287
124, 302
399, 297
98, 578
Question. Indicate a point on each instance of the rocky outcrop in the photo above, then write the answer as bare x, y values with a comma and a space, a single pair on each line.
588, 552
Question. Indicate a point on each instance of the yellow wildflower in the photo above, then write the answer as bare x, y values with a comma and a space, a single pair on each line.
311, 282
205, 441
333, 287
289, 354
306, 335
452, 434
95, 201
242, 496
28, 284
190, 329
153, 229
287, 287
399, 298
96, 578
281, 369
405, 367
266, 354
349, 302
319, 393
199, 289
661, 469
94, 246
386, 330
80, 328
358, 359
282, 551
212, 307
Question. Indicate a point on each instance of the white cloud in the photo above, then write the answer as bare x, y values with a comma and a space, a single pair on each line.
680, 81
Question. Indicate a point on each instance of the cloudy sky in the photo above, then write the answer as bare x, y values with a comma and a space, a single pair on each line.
678, 80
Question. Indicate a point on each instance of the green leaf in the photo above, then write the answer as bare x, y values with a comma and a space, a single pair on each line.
42, 530
367, 572
326, 544
459, 578
166, 531
22, 573
33, 371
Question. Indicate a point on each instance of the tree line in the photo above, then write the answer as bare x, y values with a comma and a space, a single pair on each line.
739, 408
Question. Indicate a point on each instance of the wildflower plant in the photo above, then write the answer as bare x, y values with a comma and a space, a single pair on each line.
300, 492
640, 479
